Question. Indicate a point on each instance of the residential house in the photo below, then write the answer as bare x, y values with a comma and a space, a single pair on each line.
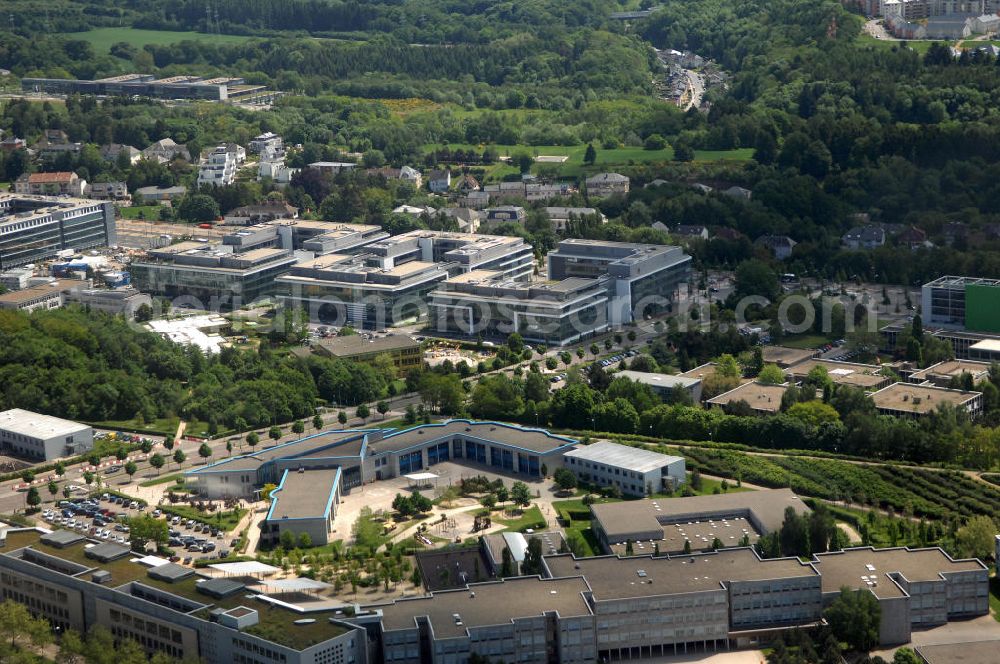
108, 191
50, 184
954, 231
506, 213
165, 150
267, 143
112, 151
560, 216
726, 233
467, 184
54, 143
219, 167
262, 212
545, 191
477, 200
11, 143
864, 237
150, 195
238, 152
406, 173
439, 181
986, 24
913, 238
690, 232
703, 188
467, 218
606, 184
737, 192
332, 167
780, 246
951, 26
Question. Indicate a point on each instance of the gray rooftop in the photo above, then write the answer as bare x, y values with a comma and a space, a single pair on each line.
309, 446
304, 494
976, 652
219, 588
356, 344
535, 440
611, 577
767, 506
106, 552
623, 456
61, 538
170, 572
483, 604
657, 379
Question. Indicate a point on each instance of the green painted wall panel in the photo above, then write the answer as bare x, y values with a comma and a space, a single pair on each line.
982, 308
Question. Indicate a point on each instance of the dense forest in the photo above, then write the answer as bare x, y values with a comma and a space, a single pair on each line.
94, 367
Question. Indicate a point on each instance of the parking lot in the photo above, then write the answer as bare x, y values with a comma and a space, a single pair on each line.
106, 518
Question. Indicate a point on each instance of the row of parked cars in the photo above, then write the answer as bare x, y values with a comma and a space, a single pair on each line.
87, 517
618, 358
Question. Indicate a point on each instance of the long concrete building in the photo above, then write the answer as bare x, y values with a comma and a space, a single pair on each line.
36, 228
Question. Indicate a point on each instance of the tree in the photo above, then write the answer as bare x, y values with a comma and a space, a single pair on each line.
60, 469
130, 469
755, 277
814, 413
33, 499
274, 433
382, 407
520, 494
298, 426
180, 457
17, 623
252, 439
533, 557
771, 374
906, 656
144, 529
507, 564
683, 151
204, 451
363, 412
317, 421
29, 476
590, 156
975, 538
305, 541
855, 617
198, 208
489, 501
565, 479
146, 446
287, 540
342, 418
53, 488
157, 461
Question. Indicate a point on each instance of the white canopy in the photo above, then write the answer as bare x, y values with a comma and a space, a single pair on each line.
292, 585
247, 568
420, 477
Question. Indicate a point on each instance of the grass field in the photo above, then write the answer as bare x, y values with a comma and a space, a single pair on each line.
529, 518
574, 166
146, 212
102, 38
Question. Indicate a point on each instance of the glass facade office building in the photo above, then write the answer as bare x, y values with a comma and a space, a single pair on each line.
36, 228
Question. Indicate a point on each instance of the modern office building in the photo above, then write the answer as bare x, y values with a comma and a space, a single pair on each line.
643, 278
964, 303
42, 437
116, 301
389, 282
375, 454
211, 275
75, 583
44, 296
145, 85
867, 377
405, 352
632, 470
304, 503
943, 373
669, 522
36, 228
663, 606
916, 401
664, 385
763, 399
915, 588
319, 237
489, 304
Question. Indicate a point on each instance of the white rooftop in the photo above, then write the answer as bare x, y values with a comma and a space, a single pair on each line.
36, 425
990, 345
657, 379
191, 331
248, 567
622, 456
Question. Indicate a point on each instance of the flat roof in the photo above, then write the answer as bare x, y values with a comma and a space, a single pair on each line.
919, 399
304, 494
36, 425
952, 368
860, 567
765, 398
356, 344
483, 604
170, 572
990, 345
865, 376
786, 357
657, 379
314, 446
51, 288
699, 532
534, 440
612, 577
623, 456
975, 652
621, 520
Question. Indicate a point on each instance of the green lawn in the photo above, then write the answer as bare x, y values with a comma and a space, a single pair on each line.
162, 479
163, 425
102, 38
574, 166
530, 518
708, 487
224, 520
148, 212
804, 341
